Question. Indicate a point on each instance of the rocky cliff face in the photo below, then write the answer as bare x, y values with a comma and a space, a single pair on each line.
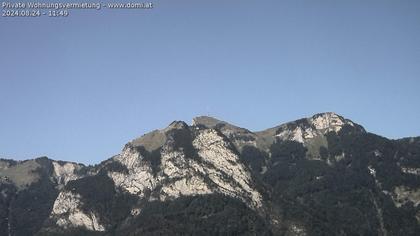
323, 175
28, 190
190, 161
203, 163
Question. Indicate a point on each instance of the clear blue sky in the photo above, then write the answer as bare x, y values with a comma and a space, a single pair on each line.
79, 88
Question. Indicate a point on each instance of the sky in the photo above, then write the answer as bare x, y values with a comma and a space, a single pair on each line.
78, 88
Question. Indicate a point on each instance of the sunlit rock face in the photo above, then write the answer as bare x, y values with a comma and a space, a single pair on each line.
329, 122
402, 195
239, 137
311, 132
68, 213
224, 167
139, 176
66, 171
304, 130
209, 166
188, 161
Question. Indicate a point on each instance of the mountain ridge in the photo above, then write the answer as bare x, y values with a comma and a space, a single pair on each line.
291, 179
216, 121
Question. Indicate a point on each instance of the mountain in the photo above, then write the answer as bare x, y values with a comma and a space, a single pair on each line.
28, 190
322, 175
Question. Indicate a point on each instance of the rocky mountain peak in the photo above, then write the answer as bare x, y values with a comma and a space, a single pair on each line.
240, 137
207, 121
177, 125
315, 126
330, 121
157, 138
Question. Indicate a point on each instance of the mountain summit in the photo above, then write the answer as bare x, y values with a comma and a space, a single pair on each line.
321, 175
